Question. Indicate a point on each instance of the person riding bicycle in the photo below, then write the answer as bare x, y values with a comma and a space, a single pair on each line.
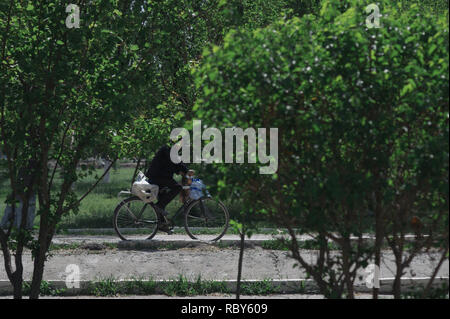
160, 172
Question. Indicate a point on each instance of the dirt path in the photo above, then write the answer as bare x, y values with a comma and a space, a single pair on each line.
209, 262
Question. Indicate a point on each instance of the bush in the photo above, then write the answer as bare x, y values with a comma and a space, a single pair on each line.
362, 116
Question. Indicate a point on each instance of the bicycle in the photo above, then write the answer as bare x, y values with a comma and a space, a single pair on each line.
205, 218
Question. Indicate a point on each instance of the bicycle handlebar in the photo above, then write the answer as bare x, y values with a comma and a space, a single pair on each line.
123, 193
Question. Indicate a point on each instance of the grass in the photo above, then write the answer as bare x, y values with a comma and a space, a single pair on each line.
435, 293
96, 210
46, 289
310, 244
113, 287
74, 246
138, 287
263, 288
306, 244
105, 287
177, 287
273, 244
183, 287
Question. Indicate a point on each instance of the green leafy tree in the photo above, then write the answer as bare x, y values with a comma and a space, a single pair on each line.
350, 104
69, 93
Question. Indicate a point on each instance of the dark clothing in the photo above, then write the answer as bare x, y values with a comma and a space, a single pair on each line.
162, 165
166, 197
161, 172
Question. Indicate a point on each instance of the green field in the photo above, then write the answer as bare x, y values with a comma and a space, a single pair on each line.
96, 210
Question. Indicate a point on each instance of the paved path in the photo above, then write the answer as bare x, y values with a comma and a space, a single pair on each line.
209, 262
160, 237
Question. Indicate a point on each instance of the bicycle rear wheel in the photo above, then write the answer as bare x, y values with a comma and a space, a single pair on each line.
135, 220
206, 219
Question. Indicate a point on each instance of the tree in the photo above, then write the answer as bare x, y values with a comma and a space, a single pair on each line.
69, 93
350, 104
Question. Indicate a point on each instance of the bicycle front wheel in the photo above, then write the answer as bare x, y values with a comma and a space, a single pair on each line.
135, 220
206, 219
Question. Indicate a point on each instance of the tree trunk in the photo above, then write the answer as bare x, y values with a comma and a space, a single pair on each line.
39, 259
379, 236
346, 251
18, 274
397, 286
377, 263
427, 289
241, 257
38, 272
17, 284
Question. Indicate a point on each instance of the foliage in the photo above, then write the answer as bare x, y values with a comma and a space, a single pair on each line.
264, 287
362, 113
362, 117
46, 289
69, 94
183, 287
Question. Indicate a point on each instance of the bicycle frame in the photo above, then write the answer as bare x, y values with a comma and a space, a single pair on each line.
182, 209
177, 213
185, 205
197, 209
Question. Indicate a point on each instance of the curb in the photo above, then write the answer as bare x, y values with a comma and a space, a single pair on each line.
101, 231
190, 243
266, 231
281, 286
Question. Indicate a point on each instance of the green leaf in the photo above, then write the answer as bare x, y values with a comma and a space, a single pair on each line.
432, 48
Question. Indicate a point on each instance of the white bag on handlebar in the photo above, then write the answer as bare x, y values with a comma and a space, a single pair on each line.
144, 190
